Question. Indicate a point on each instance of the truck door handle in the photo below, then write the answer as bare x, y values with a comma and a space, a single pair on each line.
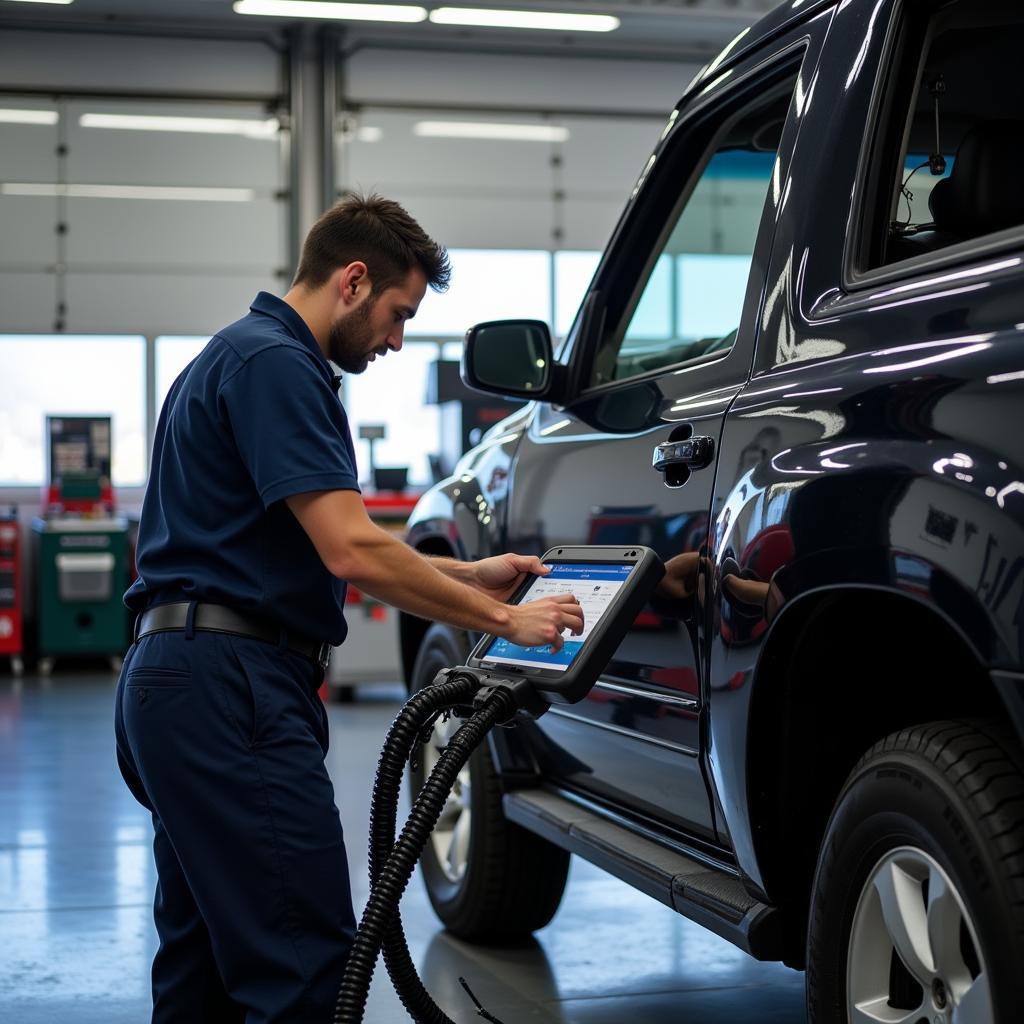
678, 459
694, 453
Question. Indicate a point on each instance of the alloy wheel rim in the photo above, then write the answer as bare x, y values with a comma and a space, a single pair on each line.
450, 838
914, 955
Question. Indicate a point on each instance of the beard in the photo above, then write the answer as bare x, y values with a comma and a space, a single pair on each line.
350, 342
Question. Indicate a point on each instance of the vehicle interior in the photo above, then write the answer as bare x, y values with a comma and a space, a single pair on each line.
962, 151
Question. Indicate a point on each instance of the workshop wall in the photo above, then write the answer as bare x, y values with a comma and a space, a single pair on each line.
80, 255
79, 262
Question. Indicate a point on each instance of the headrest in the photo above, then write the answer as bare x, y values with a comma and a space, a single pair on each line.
985, 190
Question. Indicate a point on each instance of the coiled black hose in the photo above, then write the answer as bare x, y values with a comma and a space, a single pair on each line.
395, 873
383, 816
414, 717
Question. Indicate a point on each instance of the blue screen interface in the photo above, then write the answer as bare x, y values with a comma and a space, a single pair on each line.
594, 586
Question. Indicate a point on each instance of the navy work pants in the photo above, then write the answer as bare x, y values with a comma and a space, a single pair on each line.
223, 739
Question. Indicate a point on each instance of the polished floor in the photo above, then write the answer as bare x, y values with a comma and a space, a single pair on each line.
77, 878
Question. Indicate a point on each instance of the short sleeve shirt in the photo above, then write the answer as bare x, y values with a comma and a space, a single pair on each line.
253, 419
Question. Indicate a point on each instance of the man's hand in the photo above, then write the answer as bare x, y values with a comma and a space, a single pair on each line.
500, 576
542, 621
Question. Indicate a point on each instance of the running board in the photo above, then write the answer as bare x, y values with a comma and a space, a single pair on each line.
715, 899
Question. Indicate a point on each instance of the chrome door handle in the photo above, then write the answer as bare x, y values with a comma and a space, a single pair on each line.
692, 453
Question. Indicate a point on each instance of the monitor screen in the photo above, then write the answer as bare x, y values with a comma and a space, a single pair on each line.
594, 585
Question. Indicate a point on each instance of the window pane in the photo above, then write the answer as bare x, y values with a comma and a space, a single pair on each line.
487, 284
573, 272
173, 354
653, 316
692, 300
710, 290
913, 204
392, 391
69, 374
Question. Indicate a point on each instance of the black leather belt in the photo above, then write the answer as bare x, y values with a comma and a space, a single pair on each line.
218, 618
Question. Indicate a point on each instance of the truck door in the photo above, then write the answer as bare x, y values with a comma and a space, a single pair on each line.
662, 344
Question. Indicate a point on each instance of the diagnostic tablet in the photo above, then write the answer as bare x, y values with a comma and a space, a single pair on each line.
612, 585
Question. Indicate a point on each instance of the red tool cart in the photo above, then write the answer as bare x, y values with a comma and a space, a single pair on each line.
10, 591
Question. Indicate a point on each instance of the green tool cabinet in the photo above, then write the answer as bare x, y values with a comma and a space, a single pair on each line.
82, 576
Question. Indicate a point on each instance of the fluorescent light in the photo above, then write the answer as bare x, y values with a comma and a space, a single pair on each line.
40, 1
552, 20
348, 132
187, 192
29, 116
487, 130
339, 11
266, 129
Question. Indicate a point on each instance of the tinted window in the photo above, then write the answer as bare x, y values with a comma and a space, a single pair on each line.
950, 144
689, 303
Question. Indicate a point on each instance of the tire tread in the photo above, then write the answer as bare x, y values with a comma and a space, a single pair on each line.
982, 762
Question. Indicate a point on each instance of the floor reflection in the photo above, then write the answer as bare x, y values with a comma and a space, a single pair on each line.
77, 880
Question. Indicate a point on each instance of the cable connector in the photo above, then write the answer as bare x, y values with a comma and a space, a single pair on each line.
529, 703
480, 1011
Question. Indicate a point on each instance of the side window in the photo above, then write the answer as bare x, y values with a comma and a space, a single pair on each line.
689, 303
950, 145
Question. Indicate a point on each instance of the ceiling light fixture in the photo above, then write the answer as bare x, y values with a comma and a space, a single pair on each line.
487, 130
549, 20
186, 192
266, 129
29, 116
336, 11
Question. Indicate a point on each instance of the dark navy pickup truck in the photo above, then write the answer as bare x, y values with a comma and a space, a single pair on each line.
811, 740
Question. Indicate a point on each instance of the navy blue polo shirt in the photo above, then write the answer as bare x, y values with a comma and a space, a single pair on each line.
253, 419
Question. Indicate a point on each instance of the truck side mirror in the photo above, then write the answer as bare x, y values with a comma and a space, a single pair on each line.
512, 358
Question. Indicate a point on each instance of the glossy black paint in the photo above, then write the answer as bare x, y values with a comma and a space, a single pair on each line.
868, 454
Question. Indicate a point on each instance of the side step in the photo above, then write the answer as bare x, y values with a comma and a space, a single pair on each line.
711, 898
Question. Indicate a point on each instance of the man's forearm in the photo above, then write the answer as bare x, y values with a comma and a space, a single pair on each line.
353, 548
391, 571
452, 568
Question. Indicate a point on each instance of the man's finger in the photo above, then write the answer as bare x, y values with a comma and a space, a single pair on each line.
531, 564
574, 621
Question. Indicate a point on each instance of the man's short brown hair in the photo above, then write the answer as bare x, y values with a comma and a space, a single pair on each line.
377, 232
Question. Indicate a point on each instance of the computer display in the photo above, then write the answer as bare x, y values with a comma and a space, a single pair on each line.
594, 585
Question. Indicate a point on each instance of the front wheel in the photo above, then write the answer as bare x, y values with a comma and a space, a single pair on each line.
488, 879
917, 911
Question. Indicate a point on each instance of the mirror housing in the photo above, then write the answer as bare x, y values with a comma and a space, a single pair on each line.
511, 358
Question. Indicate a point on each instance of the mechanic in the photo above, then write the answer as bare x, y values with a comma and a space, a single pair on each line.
251, 526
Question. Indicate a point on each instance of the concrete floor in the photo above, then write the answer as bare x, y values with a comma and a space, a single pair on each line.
77, 879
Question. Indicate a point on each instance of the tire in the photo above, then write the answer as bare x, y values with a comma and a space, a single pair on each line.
502, 882
928, 828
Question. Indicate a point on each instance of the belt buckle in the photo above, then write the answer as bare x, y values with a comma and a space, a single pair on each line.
323, 655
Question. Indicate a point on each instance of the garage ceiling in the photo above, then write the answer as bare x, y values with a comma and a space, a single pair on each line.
686, 28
